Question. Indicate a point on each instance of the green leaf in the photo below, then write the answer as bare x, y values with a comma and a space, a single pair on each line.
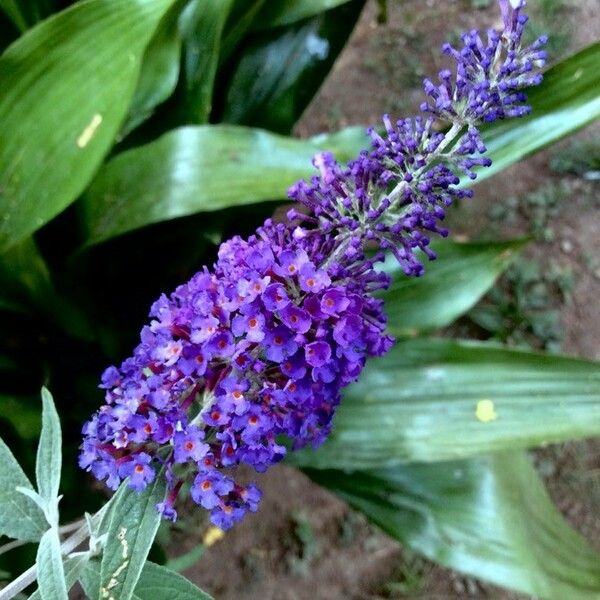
25, 13
187, 559
195, 169
155, 583
24, 277
453, 283
160, 69
241, 16
203, 23
280, 70
26, 286
49, 454
160, 583
51, 576
66, 86
73, 568
436, 399
22, 414
131, 531
275, 14
489, 517
20, 517
567, 100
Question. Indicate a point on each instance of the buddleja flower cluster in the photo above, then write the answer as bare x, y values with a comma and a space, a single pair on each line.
256, 352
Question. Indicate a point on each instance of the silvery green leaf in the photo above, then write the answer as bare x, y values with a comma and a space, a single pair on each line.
73, 567
34, 496
130, 534
49, 459
20, 517
51, 575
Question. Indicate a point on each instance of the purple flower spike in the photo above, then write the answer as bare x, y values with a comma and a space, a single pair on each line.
260, 347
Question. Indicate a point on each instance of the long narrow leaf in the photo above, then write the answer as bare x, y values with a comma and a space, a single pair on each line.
275, 14
49, 454
25, 13
51, 575
197, 169
455, 281
202, 30
66, 86
159, 71
489, 517
280, 70
73, 568
437, 399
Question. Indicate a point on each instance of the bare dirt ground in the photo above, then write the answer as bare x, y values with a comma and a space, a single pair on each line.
305, 544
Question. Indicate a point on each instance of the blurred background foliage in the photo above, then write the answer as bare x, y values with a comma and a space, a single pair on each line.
136, 135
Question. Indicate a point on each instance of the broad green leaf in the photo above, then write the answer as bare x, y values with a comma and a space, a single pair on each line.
51, 575
437, 399
275, 14
203, 22
453, 283
73, 568
49, 454
195, 169
133, 525
20, 517
280, 70
155, 583
159, 71
567, 100
66, 86
489, 517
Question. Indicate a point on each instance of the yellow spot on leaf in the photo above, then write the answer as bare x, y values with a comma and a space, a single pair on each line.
213, 535
88, 133
486, 411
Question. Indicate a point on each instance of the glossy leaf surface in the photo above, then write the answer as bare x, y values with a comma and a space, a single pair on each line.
203, 22
275, 14
280, 70
453, 283
489, 517
197, 169
435, 399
